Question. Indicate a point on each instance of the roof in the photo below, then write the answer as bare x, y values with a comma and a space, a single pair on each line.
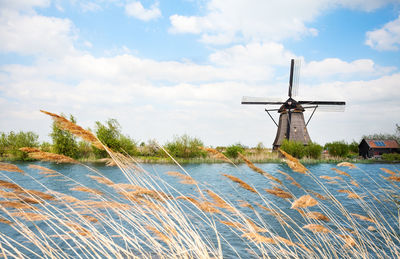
382, 143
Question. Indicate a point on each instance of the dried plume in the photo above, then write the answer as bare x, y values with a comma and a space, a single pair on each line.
219, 202
65, 124
46, 156
101, 179
317, 215
317, 228
87, 189
30, 216
340, 171
347, 164
290, 178
185, 179
293, 163
258, 170
331, 178
42, 168
279, 193
216, 154
361, 217
388, 171
257, 238
240, 182
318, 195
351, 194
304, 202
10, 168
349, 240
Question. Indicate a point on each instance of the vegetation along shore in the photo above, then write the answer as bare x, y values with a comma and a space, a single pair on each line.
185, 149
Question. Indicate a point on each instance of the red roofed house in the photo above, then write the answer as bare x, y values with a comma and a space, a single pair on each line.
375, 147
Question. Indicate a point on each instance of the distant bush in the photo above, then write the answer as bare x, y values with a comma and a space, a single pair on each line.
353, 147
64, 142
233, 150
391, 157
294, 148
10, 143
337, 148
313, 150
110, 135
185, 147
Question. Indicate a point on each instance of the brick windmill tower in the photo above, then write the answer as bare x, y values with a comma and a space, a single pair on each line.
292, 125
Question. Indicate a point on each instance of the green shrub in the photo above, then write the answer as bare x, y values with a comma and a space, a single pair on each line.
64, 142
185, 147
233, 150
294, 148
11, 143
391, 157
337, 148
313, 150
353, 147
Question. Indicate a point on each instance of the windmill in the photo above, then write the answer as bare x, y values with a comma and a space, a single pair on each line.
292, 125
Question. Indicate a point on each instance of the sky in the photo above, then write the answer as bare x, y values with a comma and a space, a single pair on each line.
168, 68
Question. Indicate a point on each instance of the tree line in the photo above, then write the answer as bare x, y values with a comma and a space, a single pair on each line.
186, 147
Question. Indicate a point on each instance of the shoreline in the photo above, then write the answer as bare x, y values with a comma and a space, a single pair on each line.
208, 160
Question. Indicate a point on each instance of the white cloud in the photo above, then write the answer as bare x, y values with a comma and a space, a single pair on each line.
32, 34
334, 67
137, 10
259, 20
385, 38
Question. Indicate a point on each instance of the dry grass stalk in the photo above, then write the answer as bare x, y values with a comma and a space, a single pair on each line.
204, 206
393, 178
258, 170
46, 156
101, 179
186, 179
285, 241
293, 163
245, 204
41, 168
304, 202
288, 177
240, 182
388, 171
351, 194
317, 228
30, 149
331, 178
340, 171
234, 224
317, 215
90, 218
347, 164
10, 168
87, 189
30, 216
371, 228
349, 240
361, 217
5, 221
219, 202
65, 124
216, 154
46, 173
35, 193
316, 194
279, 193
124, 186
257, 238
353, 182
78, 229
17, 205
159, 234
8, 185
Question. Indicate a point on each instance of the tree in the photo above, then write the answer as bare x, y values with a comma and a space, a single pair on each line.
294, 148
11, 143
337, 148
233, 151
185, 147
110, 135
63, 141
313, 150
